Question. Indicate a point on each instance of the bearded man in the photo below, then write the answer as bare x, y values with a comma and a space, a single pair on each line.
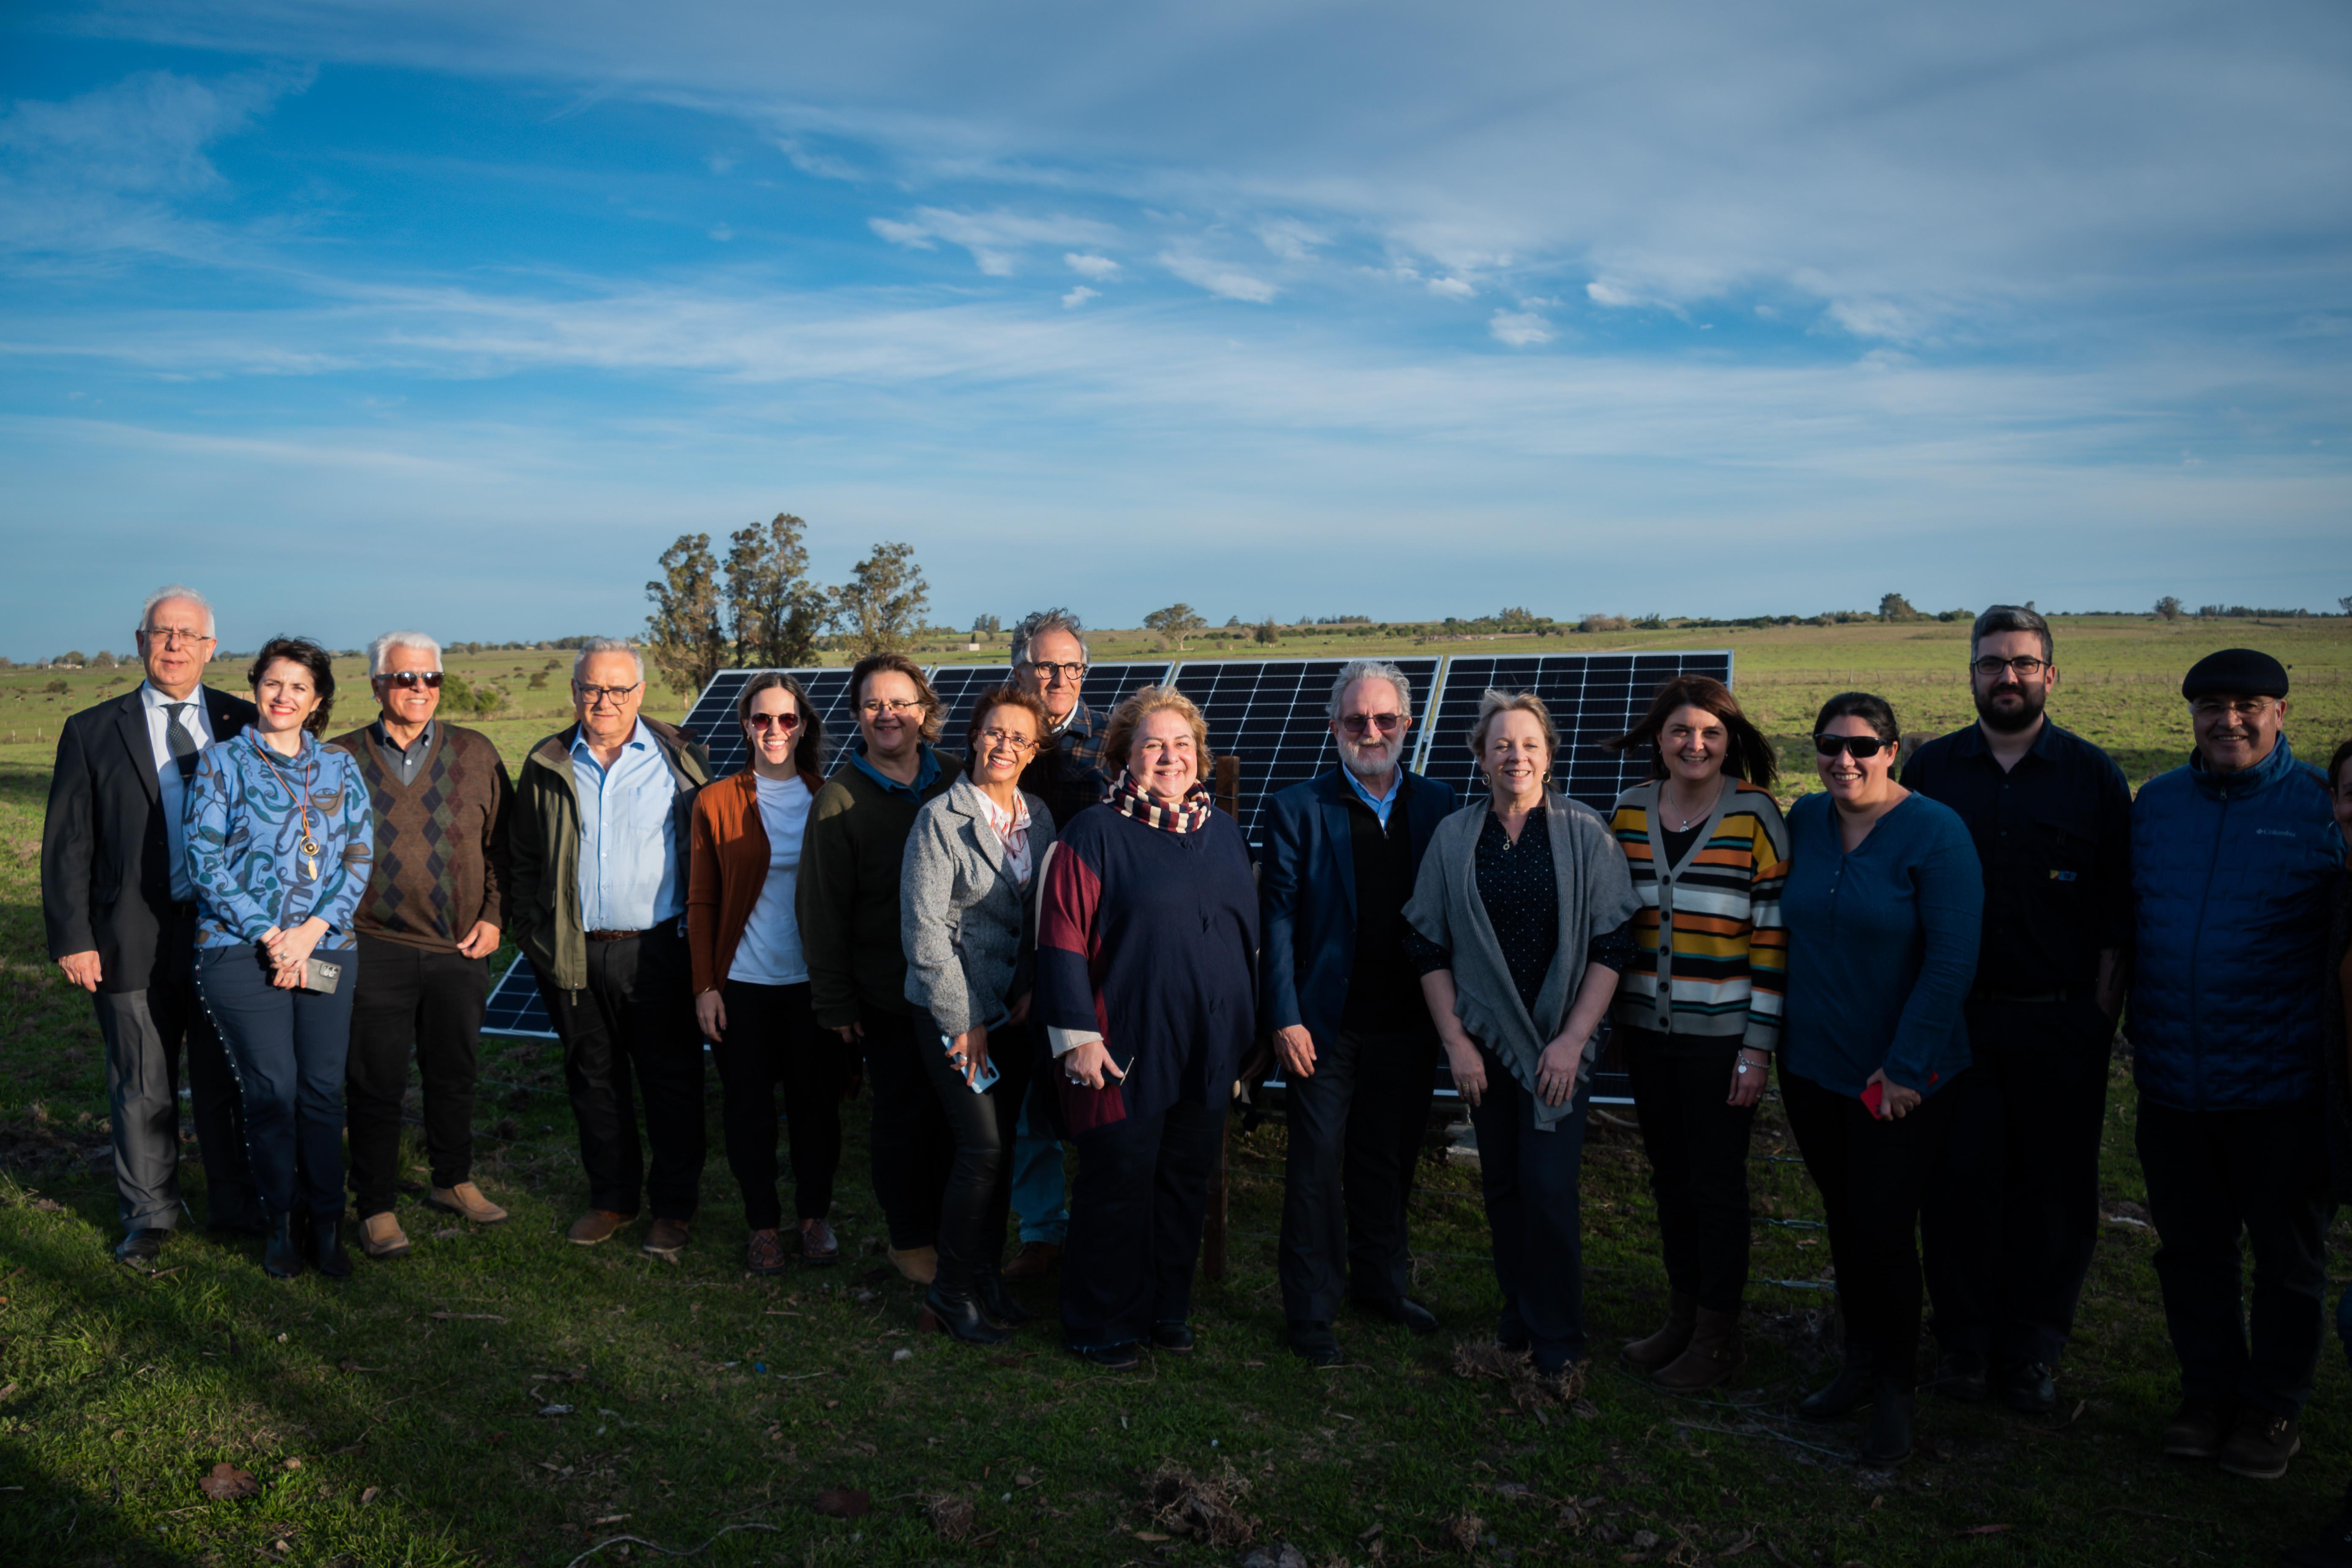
2010, 1223
1359, 1053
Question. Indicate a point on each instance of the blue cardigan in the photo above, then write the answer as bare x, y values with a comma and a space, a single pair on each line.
1881, 946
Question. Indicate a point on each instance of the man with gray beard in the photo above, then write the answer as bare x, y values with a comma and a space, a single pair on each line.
1357, 1049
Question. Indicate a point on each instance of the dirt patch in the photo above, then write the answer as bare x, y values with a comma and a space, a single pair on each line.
1485, 1361
1205, 1508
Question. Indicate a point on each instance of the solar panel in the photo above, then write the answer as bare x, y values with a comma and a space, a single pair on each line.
1105, 685
1273, 715
515, 1007
712, 717
1592, 697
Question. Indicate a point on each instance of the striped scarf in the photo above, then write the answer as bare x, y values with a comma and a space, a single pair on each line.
1130, 798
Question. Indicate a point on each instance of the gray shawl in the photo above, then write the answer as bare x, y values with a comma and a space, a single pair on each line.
1596, 896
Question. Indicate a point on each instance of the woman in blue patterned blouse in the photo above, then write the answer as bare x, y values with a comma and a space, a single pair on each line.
279, 842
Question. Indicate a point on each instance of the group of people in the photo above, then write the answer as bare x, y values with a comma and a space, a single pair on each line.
1055, 940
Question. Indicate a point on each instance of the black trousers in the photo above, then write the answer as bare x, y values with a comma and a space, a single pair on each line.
2012, 1218
1355, 1132
144, 1032
772, 1036
1136, 1211
978, 1195
631, 1035
910, 1143
2220, 1182
1697, 1144
1535, 1212
433, 1001
1872, 1174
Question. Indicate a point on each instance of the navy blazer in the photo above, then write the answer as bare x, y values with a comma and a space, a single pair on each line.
1306, 896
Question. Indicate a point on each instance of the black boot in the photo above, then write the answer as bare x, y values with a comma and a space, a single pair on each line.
281, 1256
997, 1304
957, 1312
1888, 1441
1846, 1391
327, 1249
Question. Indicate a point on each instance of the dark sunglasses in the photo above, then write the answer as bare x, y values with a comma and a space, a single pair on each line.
1854, 746
410, 679
784, 722
1357, 723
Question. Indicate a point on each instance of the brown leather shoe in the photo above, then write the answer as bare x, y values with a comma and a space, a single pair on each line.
1035, 1260
381, 1238
919, 1264
597, 1225
1715, 1354
818, 1243
1670, 1341
666, 1239
466, 1200
765, 1253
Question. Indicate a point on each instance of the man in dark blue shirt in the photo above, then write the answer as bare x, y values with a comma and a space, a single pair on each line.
2010, 1225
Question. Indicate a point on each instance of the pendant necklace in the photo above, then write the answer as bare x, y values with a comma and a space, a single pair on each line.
309, 844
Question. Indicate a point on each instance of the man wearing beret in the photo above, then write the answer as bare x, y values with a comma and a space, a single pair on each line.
2233, 856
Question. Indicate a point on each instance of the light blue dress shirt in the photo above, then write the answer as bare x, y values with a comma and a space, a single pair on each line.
1381, 804
632, 873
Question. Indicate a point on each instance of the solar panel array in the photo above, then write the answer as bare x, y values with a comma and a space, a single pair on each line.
1105, 685
712, 717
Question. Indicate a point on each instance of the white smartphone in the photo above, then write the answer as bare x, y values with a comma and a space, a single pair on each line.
987, 1075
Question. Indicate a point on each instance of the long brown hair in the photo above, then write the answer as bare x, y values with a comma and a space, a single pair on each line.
808, 751
1750, 754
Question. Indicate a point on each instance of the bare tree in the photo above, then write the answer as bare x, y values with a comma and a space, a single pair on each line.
1174, 624
774, 611
683, 635
880, 608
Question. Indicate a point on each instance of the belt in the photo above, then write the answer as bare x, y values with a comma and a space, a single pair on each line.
612, 935
2044, 998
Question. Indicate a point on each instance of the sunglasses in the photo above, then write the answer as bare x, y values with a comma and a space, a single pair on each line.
410, 679
1854, 746
1357, 723
787, 722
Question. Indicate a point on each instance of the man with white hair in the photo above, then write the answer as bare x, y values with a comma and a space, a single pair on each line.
597, 846
1358, 1051
426, 928
121, 920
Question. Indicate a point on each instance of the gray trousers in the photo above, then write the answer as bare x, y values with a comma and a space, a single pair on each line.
144, 1031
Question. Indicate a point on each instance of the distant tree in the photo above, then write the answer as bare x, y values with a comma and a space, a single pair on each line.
57, 688
1267, 633
773, 611
2345, 604
986, 625
880, 608
2169, 607
683, 633
1895, 607
1174, 624
104, 660
74, 659
538, 681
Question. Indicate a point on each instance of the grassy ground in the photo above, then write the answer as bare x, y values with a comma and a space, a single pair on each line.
410, 1414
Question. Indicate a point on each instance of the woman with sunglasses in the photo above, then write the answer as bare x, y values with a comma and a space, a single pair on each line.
964, 901
751, 979
1884, 909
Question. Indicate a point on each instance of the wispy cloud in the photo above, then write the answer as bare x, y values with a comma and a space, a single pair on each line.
1452, 288
1520, 329
996, 239
1095, 266
1079, 296
1227, 282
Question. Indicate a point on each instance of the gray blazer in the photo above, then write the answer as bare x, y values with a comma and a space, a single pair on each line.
964, 920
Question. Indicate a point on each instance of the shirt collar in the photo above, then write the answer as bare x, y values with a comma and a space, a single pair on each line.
1396, 787
639, 738
163, 705
382, 737
1081, 722
926, 772
2045, 743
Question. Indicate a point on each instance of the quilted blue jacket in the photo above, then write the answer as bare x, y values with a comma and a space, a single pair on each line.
2232, 874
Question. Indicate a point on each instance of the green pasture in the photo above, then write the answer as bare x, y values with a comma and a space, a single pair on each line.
501, 1397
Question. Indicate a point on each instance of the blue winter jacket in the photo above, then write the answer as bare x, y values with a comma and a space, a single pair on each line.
2231, 873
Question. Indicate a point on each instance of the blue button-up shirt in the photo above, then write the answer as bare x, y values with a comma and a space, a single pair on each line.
927, 770
632, 872
1381, 804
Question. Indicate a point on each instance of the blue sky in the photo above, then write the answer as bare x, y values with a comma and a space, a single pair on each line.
456, 314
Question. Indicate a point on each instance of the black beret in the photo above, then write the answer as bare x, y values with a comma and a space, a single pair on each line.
2235, 672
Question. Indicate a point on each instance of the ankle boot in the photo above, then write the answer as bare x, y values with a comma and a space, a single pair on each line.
997, 1304
280, 1255
327, 1247
1715, 1354
1888, 1441
1681, 1321
1846, 1391
957, 1312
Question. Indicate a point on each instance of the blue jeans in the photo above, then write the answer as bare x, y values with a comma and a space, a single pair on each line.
1534, 1213
1037, 1182
288, 1049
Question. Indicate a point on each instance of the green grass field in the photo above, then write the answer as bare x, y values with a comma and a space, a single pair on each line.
410, 1414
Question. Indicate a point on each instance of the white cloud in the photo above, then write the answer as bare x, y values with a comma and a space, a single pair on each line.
1291, 240
995, 239
1875, 319
1079, 296
1095, 266
1225, 281
1520, 329
1610, 296
1451, 288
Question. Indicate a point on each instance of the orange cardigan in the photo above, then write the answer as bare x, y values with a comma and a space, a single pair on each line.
726, 867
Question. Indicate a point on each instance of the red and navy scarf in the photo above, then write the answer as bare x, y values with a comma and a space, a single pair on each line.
1130, 798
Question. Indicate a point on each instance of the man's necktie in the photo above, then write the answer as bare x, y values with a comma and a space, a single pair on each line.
184, 745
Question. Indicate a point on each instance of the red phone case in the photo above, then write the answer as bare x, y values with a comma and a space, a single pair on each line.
1873, 1094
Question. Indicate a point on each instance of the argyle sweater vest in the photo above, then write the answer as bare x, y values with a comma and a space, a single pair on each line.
440, 862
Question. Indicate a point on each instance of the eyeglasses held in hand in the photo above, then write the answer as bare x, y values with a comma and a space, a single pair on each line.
2026, 665
410, 679
1357, 723
875, 707
1020, 744
1854, 746
594, 695
787, 722
1053, 674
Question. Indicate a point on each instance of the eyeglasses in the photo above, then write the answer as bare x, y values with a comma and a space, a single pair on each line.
410, 679
2231, 706
1019, 744
2025, 665
875, 707
787, 722
173, 636
596, 695
1054, 674
1854, 746
1357, 723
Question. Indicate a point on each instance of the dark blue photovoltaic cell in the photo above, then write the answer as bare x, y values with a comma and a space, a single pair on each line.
515, 1007
713, 722
1105, 685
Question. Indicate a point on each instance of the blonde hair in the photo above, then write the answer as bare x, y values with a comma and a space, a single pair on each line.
1494, 704
1118, 738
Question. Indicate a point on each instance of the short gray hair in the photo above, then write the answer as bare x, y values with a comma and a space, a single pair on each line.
1037, 623
390, 640
1357, 670
176, 590
2012, 618
595, 646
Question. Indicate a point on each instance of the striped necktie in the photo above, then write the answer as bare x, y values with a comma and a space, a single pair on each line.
176, 735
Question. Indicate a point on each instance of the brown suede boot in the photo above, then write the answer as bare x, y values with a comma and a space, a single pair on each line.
1715, 1354
1681, 1319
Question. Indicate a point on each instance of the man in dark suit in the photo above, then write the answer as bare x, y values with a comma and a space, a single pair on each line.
1358, 1051
121, 922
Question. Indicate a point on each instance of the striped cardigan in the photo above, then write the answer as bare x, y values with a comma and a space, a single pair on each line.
1725, 972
